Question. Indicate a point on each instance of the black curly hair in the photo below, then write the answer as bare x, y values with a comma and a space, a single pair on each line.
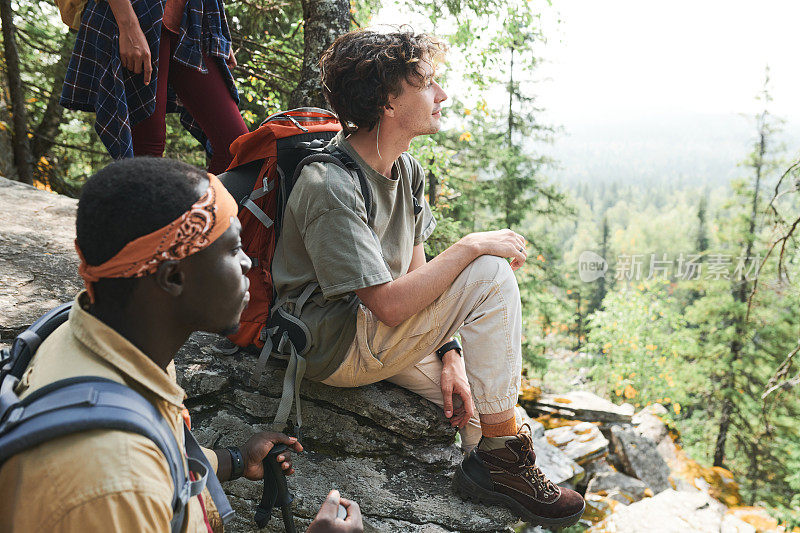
362, 68
126, 200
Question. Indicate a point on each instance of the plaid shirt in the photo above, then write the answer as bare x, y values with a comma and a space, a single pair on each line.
96, 80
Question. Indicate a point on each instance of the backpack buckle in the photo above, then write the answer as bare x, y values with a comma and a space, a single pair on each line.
14, 415
184, 495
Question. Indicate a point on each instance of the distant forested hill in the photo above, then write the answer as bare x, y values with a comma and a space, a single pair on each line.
681, 150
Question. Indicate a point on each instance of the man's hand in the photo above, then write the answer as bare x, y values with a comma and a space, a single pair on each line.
454, 381
134, 52
326, 520
259, 445
231, 61
502, 243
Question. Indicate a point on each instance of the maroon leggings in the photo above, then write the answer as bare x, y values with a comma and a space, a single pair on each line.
205, 96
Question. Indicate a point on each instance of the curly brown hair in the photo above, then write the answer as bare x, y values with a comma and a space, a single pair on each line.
363, 68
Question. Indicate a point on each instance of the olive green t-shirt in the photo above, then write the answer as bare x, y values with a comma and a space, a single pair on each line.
325, 240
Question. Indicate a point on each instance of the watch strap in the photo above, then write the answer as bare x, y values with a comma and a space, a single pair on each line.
453, 344
237, 463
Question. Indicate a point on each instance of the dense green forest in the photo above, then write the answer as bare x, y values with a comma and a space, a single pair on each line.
698, 306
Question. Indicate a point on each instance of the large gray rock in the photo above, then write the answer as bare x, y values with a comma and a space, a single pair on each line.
537, 429
555, 464
38, 263
582, 442
583, 405
594, 469
618, 486
733, 524
648, 423
668, 512
639, 458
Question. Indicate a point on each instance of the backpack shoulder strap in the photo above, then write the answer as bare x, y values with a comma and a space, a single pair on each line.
194, 452
16, 359
80, 404
343, 160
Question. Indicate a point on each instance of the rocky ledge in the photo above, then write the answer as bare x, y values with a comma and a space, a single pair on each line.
390, 450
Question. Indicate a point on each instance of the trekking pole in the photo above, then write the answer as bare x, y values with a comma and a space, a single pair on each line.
276, 492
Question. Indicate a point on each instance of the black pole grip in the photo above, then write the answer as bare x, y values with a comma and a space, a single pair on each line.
276, 492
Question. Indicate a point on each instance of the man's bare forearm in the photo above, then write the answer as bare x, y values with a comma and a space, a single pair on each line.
124, 14
409, 294
398, 300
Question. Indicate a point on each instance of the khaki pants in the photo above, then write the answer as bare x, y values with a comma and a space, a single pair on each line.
483, 305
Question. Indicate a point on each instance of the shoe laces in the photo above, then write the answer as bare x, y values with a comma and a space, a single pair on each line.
530, 470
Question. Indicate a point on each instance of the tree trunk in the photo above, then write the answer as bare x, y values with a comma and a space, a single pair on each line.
21, 146
506, 188
511, 98
722, 435
48, 129
325, 20
741, 293
433, 186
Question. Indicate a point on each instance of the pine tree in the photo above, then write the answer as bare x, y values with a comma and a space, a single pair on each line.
740, 285
702, 229
23, 158
602, 288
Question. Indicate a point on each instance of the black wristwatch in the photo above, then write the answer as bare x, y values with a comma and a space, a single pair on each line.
451, 345
237, 463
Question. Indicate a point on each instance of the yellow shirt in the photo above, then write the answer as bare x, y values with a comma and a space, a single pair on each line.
99, 480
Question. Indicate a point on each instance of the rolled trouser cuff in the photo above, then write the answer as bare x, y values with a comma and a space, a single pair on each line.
490, 407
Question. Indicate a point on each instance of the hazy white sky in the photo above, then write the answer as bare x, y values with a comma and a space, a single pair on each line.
612, 57
681, 55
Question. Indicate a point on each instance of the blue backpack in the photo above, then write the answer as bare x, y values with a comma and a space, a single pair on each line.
84, 403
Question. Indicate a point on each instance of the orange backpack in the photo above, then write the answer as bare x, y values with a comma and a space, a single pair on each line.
266, 164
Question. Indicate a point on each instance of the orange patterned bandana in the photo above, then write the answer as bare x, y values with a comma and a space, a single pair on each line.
202, 224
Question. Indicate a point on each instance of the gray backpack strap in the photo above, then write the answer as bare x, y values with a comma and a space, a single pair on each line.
81, 404
90, 402
15, 360
295, 371
291, 337
341, 159
209, 479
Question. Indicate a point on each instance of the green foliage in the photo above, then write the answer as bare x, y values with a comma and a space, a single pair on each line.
268, 40
704, 347
644, 348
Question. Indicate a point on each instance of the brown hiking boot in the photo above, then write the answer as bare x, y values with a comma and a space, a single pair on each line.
503, 471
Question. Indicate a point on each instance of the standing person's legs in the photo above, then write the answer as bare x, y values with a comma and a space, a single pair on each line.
209, 101
150, 135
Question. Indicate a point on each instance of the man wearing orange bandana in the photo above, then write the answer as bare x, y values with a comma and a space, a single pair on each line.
161, 258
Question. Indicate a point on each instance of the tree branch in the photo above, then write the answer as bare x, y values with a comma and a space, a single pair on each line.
50, 123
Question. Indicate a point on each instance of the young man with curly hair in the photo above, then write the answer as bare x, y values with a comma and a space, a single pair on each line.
378, 310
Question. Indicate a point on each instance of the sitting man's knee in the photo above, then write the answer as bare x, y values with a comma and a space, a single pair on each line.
493, 267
